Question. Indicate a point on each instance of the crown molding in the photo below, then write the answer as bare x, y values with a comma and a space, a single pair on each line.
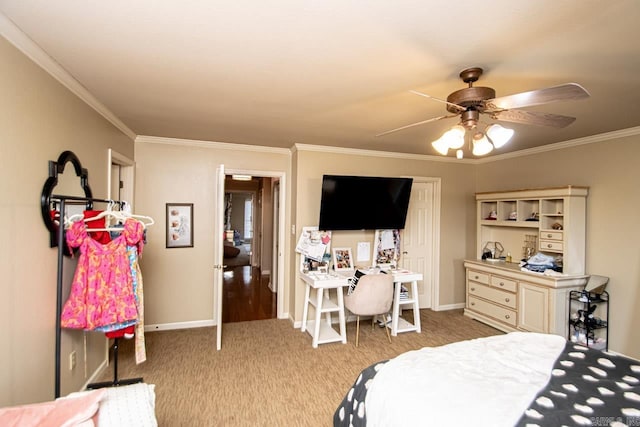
602, 137
22, 42
376, 153
211, 144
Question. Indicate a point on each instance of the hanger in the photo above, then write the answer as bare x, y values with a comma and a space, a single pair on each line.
118, 215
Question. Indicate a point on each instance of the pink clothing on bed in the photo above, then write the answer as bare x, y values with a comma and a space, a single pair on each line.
66, 411
101, 291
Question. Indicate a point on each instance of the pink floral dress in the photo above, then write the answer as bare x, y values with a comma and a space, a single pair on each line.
101, 291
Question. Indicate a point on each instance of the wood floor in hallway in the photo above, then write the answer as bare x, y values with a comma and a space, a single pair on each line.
246, 295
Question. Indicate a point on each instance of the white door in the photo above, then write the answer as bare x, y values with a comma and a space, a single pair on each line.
418, 240
218, 230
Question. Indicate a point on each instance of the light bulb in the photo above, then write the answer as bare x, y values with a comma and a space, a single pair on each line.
455, 137
481, 145
498, 135
459, 154
441, 146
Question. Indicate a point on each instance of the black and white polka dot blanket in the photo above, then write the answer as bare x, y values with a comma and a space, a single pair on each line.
588, 388
583, 386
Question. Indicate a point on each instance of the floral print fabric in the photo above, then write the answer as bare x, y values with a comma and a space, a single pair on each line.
101, 292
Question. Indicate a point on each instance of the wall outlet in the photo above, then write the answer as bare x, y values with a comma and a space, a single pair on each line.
72, 360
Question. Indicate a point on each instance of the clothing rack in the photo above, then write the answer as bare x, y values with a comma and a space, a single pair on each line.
63, 200
116, 382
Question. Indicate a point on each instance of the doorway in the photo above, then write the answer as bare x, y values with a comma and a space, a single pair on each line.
239, 227
249, 238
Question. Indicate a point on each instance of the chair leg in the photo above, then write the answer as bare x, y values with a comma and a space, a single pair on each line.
387, 329
357, 329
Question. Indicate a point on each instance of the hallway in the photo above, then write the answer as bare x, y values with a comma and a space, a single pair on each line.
246, 295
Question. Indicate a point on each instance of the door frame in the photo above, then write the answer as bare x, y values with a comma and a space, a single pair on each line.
281, 175
127, 175
275, 245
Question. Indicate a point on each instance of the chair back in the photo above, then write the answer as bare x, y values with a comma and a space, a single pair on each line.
373, 295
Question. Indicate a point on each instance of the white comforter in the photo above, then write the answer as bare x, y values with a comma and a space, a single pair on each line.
482, 382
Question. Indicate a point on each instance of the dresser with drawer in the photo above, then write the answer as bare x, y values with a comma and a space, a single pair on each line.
502, 296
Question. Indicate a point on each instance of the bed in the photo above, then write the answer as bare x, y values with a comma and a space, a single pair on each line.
129, 405
516, 379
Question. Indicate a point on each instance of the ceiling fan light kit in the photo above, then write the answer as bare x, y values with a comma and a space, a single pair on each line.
481, 145
441, 146
494, 136
470, 102
498, 135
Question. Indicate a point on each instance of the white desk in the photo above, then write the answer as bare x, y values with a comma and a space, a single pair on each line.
323, 332
398, 324
400, 276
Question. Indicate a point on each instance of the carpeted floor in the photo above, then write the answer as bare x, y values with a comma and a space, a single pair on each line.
267, 373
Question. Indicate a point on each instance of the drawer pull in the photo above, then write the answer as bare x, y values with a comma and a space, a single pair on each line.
473, 289
549, 245
501, 283
473, 303
506, 316
549, 236
477, 277
506, 299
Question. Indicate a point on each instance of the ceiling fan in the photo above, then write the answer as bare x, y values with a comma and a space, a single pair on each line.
469, 103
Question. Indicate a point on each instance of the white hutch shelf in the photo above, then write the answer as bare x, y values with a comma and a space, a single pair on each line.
498, 292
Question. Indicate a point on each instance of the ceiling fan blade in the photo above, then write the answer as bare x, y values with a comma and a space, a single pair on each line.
530, 118
459, 107
416, 124
565, 92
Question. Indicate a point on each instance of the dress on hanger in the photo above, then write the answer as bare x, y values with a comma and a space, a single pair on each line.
101, 291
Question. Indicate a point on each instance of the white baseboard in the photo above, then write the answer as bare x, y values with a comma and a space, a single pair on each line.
622, 355
449, 307
194, 324
179, 325
96, 374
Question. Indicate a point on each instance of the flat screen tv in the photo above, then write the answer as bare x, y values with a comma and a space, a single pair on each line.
363, 202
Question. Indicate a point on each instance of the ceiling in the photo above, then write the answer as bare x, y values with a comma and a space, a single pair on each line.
338, 72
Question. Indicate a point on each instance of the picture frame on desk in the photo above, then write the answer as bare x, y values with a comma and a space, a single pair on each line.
342, 259
386, 248
308, 264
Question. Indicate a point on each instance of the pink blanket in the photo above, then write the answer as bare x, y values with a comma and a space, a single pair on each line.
77, 410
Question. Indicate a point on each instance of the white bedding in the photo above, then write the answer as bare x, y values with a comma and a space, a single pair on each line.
482, 382
128, 405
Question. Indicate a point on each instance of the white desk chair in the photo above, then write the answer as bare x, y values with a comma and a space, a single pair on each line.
372, 296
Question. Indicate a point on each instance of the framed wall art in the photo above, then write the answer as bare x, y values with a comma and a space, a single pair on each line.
342, 259
179, 225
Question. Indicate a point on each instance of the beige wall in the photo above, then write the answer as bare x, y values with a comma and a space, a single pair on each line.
457, 221
610, 170
178, 282
39, 118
